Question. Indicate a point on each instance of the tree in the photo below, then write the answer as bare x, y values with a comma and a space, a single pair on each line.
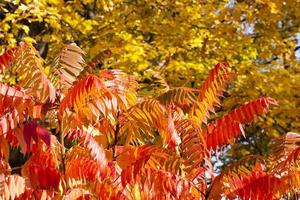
108, 142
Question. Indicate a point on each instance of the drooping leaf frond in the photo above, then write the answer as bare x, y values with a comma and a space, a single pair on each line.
90, 99
289, 183
248, 179
289, 160
256, 185
222, 133
11, 186
146, 120
248, 112
181, 96
97, 151
82, 168
231, 125
92, 153
13, 103
210, 91
165, 185
31, 75
15, 107
286, 152
32, 132
38, 194
78, 151
39, 167
149, 167
121, 84
245, 165
91, 148
141, 121
242, 167
151, 156
172, 138
68, 65
193, 146
107, 130
106, 190
6, 58
14, 98
10, 121
285, 162
213, 78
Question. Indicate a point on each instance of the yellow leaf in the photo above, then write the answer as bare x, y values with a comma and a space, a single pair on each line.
273, 7
136, 192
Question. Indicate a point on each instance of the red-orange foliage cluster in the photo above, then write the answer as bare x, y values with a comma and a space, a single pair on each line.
125, 146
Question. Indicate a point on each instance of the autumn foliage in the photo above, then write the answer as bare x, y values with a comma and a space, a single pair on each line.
89, 134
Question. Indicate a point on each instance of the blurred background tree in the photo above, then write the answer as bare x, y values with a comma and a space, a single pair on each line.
174, 43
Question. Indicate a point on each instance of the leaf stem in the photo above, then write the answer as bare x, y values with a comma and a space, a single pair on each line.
63, 152
116, 133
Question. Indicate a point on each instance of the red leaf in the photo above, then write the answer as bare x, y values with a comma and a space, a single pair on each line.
231, 125
172, 137
210, 91
7, 58
97, 151
42, 170
257, 185
221, 134
36, 194
33, 131
214, 73
90, 99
